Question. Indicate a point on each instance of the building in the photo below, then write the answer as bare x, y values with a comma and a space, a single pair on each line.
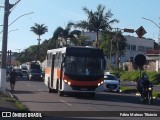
134, 46
153, 60
11, 59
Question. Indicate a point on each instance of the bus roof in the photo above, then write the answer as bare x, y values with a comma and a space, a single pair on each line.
81, 49
53, 51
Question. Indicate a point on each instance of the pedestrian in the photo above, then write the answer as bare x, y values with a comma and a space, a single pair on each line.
12, 76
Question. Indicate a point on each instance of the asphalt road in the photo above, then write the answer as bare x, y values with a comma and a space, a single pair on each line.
34, 95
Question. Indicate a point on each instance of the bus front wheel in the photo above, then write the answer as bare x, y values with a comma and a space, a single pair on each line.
49, 89
60, 93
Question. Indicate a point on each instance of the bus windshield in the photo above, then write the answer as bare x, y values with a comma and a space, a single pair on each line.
76, 65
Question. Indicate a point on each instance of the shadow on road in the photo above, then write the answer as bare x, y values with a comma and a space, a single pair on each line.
118, 97
7, 109
122, 97
22, 92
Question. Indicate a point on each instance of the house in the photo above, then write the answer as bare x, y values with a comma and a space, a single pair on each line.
11, 59
135, 46
153, 60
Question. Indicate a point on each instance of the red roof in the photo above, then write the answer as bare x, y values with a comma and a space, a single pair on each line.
153, 52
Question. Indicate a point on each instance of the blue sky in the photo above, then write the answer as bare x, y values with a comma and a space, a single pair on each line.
55, 13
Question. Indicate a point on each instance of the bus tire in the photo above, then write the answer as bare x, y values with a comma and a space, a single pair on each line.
60, 93
57, 88
49, 89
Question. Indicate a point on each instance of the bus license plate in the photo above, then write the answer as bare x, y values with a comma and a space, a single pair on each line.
83, 89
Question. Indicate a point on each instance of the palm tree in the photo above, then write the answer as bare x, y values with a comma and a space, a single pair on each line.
39, 30
97, 21
65, 34
118, 45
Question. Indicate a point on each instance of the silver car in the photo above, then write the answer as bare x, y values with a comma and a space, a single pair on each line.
111, 83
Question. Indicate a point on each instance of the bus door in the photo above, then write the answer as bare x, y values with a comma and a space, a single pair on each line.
52, 70
61, 68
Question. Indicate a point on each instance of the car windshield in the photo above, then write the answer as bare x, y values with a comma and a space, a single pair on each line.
109, 77
24, 68
36, 71
24, 72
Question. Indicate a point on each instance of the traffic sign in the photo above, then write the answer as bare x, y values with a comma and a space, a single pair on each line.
140, 31
140, 60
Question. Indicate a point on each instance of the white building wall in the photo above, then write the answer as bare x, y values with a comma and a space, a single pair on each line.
147, 43
131, 40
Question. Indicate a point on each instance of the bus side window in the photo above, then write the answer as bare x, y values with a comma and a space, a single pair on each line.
55, 62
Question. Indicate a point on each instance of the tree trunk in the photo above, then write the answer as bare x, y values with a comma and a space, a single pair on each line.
117, 55
97, 40
38, 47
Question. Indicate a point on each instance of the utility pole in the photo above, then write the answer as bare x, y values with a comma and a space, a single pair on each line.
159, 47
7, 7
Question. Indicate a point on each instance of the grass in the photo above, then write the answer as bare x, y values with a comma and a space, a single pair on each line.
156, 94
17, 103
125, 89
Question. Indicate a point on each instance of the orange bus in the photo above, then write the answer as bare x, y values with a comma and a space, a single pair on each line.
75, 69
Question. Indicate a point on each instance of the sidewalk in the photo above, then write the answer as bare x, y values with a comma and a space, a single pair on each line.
6, 104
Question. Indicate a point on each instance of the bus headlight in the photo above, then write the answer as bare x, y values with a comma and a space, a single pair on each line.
150, 88
69, 83
100, 83
65, 81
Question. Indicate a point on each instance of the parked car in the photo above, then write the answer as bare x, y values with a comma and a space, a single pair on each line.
8, 70
35, 74
111, 83
19, 75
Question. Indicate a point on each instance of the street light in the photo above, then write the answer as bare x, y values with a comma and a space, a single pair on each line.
17, 19
152, 22
20, 17
124, 30
10, 31
158, 38
4, 45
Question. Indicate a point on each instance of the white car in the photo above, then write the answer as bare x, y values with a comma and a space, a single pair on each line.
111, 83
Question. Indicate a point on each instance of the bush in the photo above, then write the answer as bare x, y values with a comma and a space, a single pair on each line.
125, 89
156, 94
130, 76
154, 77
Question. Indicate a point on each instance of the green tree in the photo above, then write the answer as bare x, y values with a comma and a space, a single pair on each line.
65, 34
43, 51
39, 30
97, 21
118, 44
27, 55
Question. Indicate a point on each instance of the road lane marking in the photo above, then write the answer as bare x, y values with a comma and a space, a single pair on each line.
65, 102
